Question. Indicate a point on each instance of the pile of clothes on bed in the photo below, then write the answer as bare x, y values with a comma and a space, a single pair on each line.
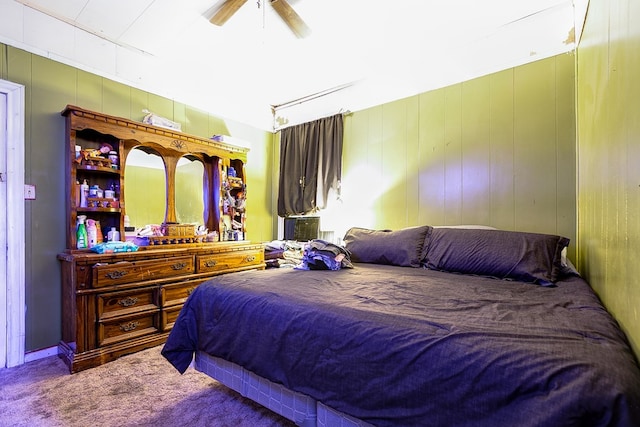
315, 254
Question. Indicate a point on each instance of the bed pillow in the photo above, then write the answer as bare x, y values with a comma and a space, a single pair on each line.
426, 246
527, 257
401, 247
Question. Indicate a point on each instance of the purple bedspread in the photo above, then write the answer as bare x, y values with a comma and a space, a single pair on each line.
400, 346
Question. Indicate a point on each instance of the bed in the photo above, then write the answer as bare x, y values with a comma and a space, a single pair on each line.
429, 327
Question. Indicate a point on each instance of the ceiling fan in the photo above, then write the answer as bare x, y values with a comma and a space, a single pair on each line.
282, 8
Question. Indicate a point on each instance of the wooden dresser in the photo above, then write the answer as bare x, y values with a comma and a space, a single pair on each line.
117, 304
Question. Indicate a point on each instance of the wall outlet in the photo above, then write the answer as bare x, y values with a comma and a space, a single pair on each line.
29, 192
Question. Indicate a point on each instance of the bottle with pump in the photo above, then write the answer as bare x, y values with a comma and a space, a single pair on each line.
81, 233
84, 193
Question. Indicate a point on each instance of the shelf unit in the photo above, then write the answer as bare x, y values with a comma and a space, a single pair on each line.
80, 170
91, 130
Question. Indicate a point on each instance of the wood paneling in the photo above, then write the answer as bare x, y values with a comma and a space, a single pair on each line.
140, 100
197, 122
476, 152
452, 155
88, 91
116, 99
44, 156
431, 152
608, 117
3, 62
501, 147
535, 148
490, 151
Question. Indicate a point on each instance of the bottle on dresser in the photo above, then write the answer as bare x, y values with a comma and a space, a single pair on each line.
92, 233
113, 235
81, 233
84, 194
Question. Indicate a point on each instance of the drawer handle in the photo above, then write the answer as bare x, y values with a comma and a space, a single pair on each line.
179, 265
211, 263
251, 258
116, 274
128, 327
128, 301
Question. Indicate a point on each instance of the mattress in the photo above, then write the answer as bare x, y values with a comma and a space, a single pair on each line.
398, 346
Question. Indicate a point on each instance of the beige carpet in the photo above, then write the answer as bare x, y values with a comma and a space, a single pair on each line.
141, 389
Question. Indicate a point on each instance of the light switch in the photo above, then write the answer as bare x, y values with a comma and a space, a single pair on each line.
29, 192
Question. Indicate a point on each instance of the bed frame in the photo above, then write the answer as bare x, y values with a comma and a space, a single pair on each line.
297, 407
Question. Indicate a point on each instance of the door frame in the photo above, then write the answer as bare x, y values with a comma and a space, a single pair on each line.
12, 284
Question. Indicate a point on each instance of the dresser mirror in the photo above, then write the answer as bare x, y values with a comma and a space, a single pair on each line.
145, 187
189, 184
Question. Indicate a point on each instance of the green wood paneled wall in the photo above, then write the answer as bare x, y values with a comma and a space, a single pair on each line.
497, 150
50, 86
608, 117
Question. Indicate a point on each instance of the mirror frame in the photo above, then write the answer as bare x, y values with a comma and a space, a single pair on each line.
213, 155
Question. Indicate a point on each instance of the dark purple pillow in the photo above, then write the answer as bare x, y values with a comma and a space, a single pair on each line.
527, 257
401, 247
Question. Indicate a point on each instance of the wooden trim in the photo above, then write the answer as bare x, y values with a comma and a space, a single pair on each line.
15, 267
126, 130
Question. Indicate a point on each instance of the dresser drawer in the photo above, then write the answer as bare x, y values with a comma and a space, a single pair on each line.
138, 271
177, 293
125, 328
122, 303
169, 317
229, 261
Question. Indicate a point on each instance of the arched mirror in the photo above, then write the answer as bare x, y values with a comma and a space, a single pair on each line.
189, 183
145, 188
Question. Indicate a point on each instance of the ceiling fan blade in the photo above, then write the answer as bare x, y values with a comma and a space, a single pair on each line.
291, 18
226, 11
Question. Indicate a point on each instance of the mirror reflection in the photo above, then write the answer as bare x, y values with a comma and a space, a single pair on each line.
145, 187
189, 191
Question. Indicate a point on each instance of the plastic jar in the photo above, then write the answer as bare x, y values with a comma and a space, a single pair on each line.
113, 235
93, 191
113, 156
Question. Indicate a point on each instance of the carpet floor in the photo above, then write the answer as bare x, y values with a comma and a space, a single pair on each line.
141, 389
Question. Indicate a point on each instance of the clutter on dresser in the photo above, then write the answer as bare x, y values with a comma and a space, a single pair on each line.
156, 120
91, 158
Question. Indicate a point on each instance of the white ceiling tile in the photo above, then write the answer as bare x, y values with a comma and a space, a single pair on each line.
150, 31
11, 21
137, 68
96, 53
113, 17
49, 35
68, 9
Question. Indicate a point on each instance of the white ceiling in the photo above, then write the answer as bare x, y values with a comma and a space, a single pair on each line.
371, 51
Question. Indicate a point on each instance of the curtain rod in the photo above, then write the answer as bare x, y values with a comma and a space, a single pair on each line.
285, 123
310, 97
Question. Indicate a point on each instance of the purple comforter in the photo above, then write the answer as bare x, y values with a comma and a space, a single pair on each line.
401, 346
